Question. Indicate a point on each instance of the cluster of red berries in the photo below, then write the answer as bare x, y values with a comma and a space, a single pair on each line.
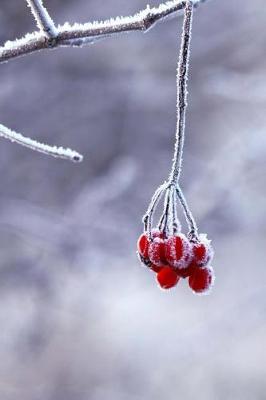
174, 257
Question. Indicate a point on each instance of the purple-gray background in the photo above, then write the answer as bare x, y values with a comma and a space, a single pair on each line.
80, 319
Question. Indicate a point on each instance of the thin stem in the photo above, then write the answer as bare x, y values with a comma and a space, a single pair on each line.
193, 229
54, 151
182, 77
147, 219
163, 223
42, 17
176, 223
82, 34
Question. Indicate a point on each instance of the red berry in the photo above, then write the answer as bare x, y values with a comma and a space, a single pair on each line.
157, 252
167, 278
202, 251
143, 245
201, 279
178, 251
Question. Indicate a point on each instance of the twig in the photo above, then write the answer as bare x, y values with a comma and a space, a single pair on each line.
82, 34
42, 17
54, 151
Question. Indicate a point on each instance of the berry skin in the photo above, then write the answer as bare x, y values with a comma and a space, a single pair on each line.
201, 280
178, 251
186, 272
157, 252
167, 278
155, 268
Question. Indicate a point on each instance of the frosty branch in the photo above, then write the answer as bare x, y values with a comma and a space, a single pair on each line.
49, 37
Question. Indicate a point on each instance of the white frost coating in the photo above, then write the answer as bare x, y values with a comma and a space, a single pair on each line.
43, 148
113, 23
22, 42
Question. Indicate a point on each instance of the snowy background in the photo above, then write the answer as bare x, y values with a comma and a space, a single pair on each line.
80, 319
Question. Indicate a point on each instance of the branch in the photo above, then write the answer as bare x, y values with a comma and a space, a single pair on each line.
82, 34
43, 19
77, 35
54, 151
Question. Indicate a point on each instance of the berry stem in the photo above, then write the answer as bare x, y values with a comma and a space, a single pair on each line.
182, 77
163, 223
147, 219
176, 223
193, 229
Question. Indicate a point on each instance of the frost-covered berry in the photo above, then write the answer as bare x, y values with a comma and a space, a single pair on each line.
201, 280
178, 251
156, 252
202, 251
167, 278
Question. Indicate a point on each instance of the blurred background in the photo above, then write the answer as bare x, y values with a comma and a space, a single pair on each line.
80, 319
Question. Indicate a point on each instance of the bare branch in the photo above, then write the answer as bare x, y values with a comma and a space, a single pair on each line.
54, 151
82, 34
77, 35
42, 17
